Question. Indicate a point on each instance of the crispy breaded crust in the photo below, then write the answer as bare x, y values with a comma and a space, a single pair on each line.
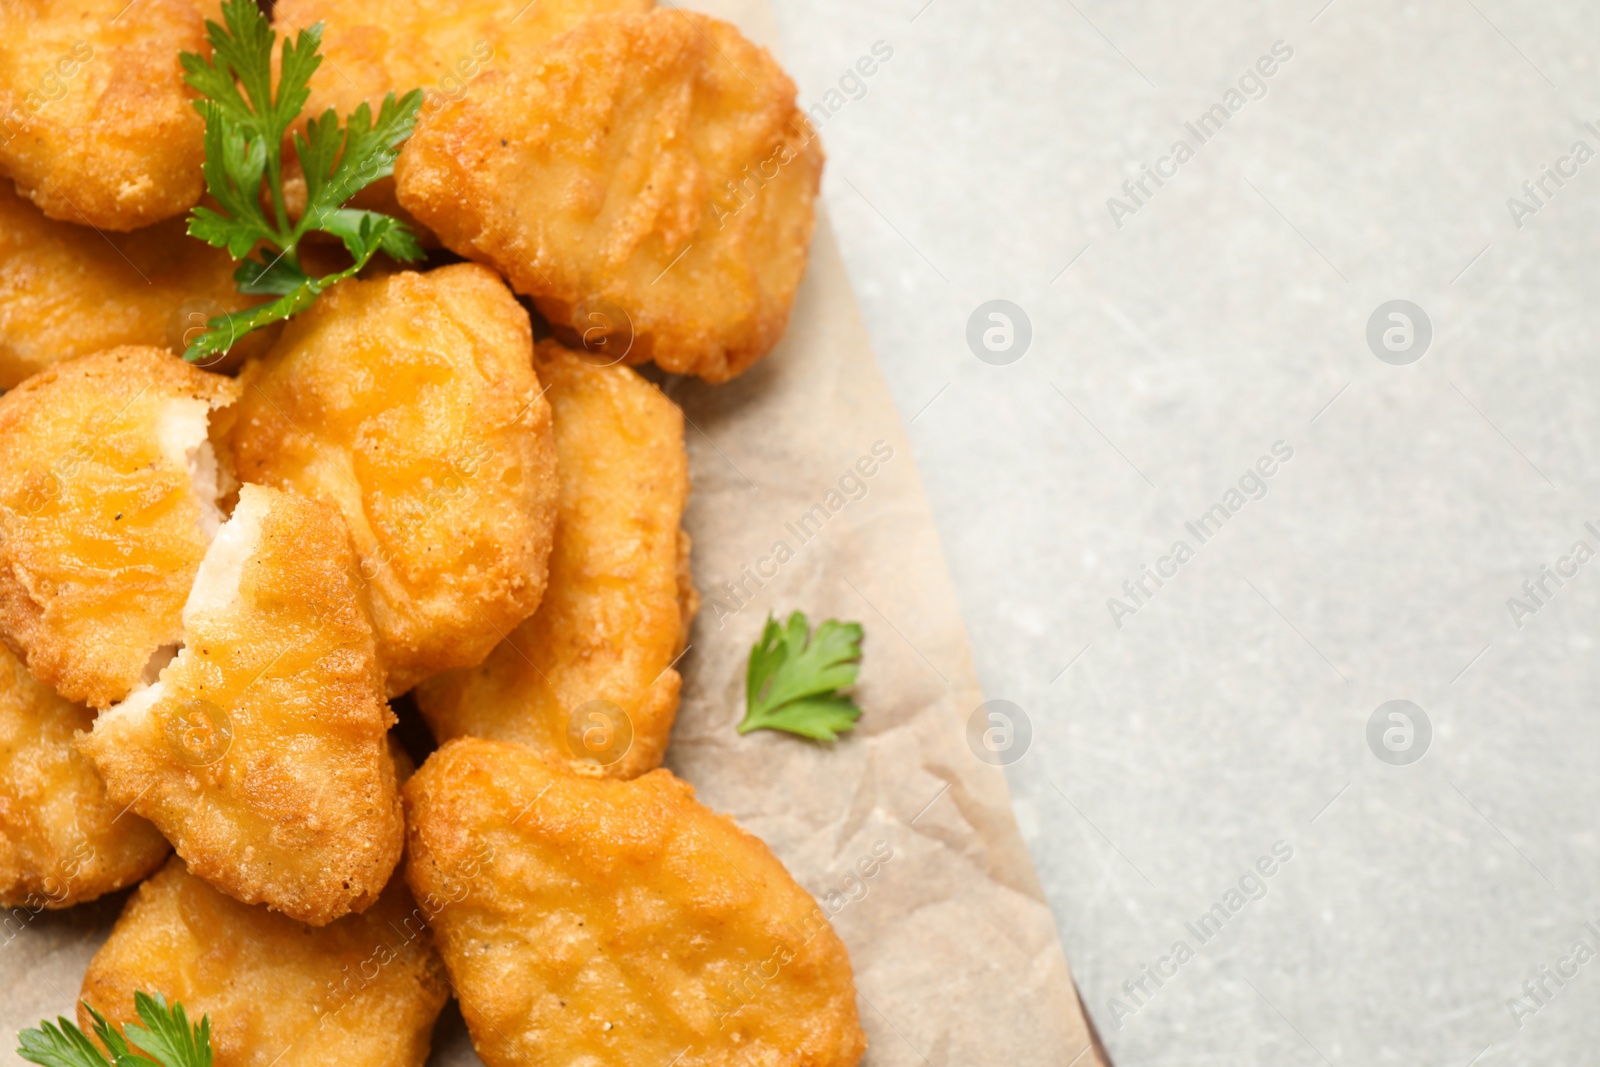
410, 403
264, 757
590, 920
688, 595
375, 47
657, 162
360, 992
611, 622
101, 526
66, 291
96, 124
62, 840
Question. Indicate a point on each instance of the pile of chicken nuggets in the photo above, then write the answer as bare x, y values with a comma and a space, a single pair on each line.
442, 493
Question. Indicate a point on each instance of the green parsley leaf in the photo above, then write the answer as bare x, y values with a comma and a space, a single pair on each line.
246, 123
166, 1034
166, 1037
794, 676
222, 331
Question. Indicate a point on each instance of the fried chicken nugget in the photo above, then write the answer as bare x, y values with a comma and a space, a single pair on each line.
360, 992
262, 752
410, 403
375, 47
655, 164
589, 920
96, 124
108, 496
590, 675
62, 841
65, 293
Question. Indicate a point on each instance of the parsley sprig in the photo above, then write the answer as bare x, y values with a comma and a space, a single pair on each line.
246, 123
166, 1037
794, 678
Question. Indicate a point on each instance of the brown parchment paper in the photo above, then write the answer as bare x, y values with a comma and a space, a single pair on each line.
956, 956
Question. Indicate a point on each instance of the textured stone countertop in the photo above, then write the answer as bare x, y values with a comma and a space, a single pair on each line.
1369, 508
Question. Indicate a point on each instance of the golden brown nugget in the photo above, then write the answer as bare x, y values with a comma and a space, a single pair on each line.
62, 841
410, 403
590, 920
653, 163
261, 753
96, 124
108, 494
589, 677
360, 992
66, 291
375, 47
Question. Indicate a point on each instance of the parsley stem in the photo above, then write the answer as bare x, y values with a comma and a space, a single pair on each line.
275, 183
222, 331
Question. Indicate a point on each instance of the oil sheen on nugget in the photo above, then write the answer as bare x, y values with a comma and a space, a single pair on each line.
654, 163
590, 677
108, 499
410, 403
261, 753
96, 124
361, 992
62, 840
591, 920
67, 291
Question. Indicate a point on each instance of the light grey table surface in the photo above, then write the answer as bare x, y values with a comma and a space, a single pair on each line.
1228, 712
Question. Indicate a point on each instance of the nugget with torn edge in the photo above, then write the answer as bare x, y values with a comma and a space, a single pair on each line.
96, 124
652, 170
66, 291
261, 753
410, 403
62, 840
590, 920
360, 992
590, 676
108, 499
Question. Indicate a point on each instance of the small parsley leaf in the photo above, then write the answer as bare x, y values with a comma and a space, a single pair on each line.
166, 1034
166, 1037
270, 279
246, 124
794, 677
